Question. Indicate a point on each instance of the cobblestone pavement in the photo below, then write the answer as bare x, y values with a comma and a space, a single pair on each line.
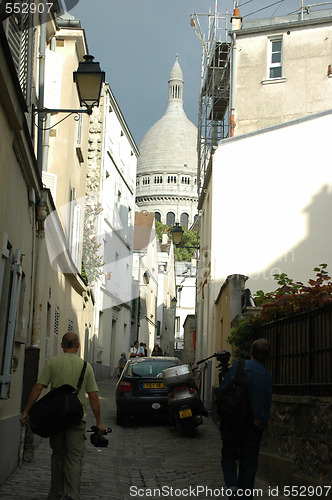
141, 457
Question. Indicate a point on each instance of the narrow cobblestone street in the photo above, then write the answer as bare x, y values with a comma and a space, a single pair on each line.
141, 457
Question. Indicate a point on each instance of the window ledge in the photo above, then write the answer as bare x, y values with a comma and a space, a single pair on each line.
269, 81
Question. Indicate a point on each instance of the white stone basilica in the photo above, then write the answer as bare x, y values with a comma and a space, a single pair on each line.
166, 181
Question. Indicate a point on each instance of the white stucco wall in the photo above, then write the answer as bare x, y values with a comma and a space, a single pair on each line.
272, 203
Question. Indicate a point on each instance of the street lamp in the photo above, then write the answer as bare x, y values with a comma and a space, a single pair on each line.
146, 277
173, 301
177, 233
89, 80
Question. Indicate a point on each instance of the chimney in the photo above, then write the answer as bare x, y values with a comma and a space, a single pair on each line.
236, 20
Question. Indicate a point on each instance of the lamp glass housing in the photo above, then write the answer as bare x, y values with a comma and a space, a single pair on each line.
173, 301
89, 80
177, 233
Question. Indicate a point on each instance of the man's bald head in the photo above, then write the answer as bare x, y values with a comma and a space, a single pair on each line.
70, 340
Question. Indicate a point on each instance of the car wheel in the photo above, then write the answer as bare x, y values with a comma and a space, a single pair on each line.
121, 418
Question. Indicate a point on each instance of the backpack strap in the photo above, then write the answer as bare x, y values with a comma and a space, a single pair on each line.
80, 380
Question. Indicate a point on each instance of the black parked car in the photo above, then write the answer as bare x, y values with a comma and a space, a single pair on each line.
140, 390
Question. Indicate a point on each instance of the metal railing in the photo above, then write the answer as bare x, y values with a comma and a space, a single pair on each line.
301, 347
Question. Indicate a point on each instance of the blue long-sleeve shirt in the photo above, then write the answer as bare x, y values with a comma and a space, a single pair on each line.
259, 384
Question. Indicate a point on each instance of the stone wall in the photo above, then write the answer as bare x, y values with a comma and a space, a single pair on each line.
297, 445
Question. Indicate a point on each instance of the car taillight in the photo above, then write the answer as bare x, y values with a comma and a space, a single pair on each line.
171, 395
192, 390
125, 386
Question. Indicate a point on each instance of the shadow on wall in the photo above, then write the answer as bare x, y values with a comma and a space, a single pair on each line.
298, 263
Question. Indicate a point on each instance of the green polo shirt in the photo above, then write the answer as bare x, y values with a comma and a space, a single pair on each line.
66, 369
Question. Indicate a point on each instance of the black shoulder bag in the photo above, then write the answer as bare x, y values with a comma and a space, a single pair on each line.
57, 410
233, 402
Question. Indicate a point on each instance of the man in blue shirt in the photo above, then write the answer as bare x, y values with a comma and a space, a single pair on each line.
242, 443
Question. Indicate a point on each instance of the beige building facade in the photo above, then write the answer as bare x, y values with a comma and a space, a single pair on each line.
145, 280
282, 69
42, 292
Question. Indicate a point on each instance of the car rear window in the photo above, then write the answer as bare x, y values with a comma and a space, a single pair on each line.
150, 368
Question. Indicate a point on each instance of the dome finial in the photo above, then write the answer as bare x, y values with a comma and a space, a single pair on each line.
175, 82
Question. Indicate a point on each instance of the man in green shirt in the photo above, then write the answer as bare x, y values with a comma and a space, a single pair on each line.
68, 446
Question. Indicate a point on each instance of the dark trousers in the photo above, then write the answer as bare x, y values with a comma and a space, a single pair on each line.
239, 456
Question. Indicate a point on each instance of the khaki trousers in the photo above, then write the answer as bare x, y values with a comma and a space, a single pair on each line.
68, 448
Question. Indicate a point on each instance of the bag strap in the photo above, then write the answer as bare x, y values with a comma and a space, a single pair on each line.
80, 380
240, 371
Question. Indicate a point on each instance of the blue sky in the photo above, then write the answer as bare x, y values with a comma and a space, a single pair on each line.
136, 42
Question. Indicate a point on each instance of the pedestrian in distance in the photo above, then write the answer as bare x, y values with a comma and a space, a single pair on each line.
121, 364
67, 446
135, 351
141, 349
241, 442
157, 351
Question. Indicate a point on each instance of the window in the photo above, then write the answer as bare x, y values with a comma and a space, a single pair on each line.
171, 179
170, 219
184, 220
157, 216
145, 181
137, 181
185, 180
275, 58
177, 326
158, 179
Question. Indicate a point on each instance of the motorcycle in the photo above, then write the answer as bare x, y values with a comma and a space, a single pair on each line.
184, 403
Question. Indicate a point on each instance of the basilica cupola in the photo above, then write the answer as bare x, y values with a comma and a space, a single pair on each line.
166, 181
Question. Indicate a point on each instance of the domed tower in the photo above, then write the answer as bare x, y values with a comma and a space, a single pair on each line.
166, 181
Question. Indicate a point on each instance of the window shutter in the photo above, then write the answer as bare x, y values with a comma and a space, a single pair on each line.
18, 39
50, 181
14, 298
56, 330
76, 230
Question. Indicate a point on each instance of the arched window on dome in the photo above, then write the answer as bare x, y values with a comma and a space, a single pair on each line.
157, 216
170, 219
184, 220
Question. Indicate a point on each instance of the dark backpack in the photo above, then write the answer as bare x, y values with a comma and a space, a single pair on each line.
233, 404
57, 410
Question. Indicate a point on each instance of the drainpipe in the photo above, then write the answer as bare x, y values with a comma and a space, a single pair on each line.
42, 55
31, 363
41, 210
236, 25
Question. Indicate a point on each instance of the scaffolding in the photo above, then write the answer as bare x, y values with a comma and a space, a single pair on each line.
213, 116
